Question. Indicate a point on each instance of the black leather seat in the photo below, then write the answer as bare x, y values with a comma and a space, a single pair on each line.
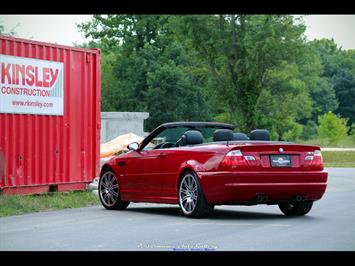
191, 137
240, 136
259, 134
223, 135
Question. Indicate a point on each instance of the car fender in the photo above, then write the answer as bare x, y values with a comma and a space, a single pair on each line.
189, 165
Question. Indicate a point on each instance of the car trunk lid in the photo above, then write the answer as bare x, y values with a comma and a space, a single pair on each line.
274, 156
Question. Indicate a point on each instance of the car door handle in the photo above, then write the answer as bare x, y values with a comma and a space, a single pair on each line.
162, 155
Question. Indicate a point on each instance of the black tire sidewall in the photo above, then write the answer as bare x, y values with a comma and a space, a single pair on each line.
298, 209
202, 208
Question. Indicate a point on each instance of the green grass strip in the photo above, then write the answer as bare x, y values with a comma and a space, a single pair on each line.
339, 158
21, 204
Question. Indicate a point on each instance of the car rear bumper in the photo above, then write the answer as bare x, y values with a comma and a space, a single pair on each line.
243, 187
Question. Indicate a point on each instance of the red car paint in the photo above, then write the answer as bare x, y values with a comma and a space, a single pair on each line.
153, 175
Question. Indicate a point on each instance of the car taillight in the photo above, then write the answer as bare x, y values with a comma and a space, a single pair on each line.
314, 158
317, 158
233, 159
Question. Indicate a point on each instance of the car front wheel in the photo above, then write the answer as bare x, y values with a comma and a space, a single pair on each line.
296, 209
109, 192
191, 198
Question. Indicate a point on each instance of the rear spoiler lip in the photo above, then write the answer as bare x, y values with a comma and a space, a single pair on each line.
236, 144
251, 143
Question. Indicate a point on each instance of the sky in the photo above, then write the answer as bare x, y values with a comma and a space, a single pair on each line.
62, 29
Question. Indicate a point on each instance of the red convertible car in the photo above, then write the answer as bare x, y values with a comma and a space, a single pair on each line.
202, 164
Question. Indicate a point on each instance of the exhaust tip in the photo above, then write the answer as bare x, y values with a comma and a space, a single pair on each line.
261, 198
300, 198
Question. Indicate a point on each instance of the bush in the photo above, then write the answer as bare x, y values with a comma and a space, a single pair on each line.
293, 133
309, 130
352, 133
331, 129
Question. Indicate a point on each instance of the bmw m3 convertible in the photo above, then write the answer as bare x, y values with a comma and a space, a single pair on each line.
202, 164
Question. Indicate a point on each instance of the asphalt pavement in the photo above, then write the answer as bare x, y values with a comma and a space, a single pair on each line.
147, 227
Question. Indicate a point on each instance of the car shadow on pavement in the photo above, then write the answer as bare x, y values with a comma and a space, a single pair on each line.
218, 214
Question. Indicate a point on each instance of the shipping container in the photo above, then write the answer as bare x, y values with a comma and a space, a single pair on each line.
49, 116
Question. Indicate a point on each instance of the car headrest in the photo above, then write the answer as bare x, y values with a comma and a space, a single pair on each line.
191, 137
240, 136
223, 135
259, 134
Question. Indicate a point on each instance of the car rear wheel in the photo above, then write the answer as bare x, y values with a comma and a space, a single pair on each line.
109, 192
296, 209
191, 198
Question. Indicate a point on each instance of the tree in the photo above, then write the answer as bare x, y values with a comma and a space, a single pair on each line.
344, 84
172, 96
150, 69
283, 102
243, 55
331, 128
339, 71
324, 97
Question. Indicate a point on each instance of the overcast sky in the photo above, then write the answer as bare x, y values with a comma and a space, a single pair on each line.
62, 28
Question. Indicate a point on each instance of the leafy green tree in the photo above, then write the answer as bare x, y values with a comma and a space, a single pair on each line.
344, 84
339, 71
309, 130
331, 128
151, 71
256, 71
284, 100
172, 96
324, 97
241, 53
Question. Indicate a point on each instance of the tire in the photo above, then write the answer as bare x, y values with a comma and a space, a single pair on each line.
192, 201
109, 192
296, 209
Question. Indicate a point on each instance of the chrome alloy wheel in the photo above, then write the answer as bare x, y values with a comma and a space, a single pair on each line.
108, 189
188, 193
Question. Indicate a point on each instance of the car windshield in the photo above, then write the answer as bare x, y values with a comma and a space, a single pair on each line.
172, 135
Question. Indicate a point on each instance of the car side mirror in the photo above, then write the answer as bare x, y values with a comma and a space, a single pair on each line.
133, 146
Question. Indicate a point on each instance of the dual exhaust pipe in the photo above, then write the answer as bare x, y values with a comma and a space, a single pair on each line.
299, 198
261, 198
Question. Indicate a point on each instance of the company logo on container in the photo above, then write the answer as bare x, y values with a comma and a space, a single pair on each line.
30, 77
31, 86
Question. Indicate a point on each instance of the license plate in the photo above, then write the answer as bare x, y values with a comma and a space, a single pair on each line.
280, 160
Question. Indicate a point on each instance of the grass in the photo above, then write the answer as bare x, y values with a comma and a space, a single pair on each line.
346, 142
339, 158
21, 204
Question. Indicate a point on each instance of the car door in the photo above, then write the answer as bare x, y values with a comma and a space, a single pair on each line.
146, 177
142, 174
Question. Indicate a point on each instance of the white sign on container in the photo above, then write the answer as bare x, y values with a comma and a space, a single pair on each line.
31, 86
